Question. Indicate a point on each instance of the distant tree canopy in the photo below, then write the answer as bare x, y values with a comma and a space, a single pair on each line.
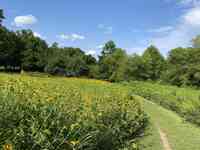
183, 66
68, 60
1, 16
21, 50
33, 51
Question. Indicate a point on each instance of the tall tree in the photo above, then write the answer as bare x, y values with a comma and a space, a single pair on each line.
34, 51
113, 66
135, 68
154, 63
108, 48
1, 16
183, 67
10, 49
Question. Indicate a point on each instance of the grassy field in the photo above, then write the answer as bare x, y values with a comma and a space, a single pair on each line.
177, 102
68, 113
41, 112
184, 101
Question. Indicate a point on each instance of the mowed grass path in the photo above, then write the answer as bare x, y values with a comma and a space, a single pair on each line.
180, 135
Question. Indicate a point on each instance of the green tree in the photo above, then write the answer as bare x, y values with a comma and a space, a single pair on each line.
94, 71
68, 61
113, 66
34, 51
154, 63
177, 66
118, 63
1, 16
183, 67
135, 68
108, 48
10, 49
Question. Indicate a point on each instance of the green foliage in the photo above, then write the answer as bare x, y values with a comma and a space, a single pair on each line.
1, 16
149, 66
154, 63
108, 49
59, 113
94, 71
10, 56
135, 68
34, 51
184, 101
113, 66
183, 67
68, 61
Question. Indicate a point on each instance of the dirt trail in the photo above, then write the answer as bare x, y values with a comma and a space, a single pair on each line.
164, 140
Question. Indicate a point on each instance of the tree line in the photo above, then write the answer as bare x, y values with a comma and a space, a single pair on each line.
21, 50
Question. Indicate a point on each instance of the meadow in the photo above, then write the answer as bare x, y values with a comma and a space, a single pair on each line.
68, 113
38, 111
184, 101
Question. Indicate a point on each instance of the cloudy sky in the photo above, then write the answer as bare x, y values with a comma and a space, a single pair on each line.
88, 24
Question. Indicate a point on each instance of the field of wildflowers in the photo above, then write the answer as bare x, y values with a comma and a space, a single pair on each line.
67, 113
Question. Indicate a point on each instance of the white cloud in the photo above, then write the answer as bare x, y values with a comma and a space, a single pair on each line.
20, 21
77, 37
182, 33
91, 52
192, 17
189, 2
36, 34
106, 29
100, 46
64, 36
161, 29
176, 38
72, 37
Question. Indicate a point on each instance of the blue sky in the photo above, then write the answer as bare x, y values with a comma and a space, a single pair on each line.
88, 24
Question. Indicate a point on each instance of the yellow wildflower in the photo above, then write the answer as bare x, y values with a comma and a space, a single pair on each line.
73, 126
50, 99
7, 147
74, 142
